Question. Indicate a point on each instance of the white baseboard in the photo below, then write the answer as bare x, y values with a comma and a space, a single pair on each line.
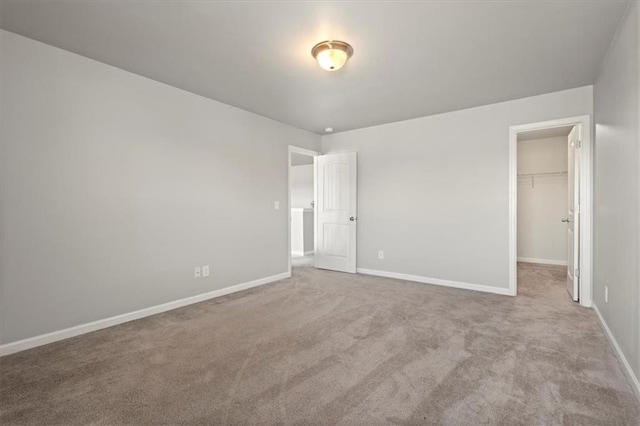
543, 261
633, 379
302, 253
437, 281
43, 339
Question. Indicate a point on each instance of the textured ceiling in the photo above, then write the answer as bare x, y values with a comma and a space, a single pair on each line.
411, 58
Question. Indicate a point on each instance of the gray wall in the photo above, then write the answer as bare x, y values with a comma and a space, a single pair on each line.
309, 236
433, 192
302, 186
616, 196
300, 159
114, 187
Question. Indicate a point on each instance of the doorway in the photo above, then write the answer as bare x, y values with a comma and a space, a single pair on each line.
550, 201
301, 207
322, 228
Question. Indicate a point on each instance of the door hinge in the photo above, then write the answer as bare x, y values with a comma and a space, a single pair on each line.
577, 273
579, 144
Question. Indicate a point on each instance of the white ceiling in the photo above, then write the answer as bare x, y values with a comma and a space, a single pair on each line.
552, 132
411, 58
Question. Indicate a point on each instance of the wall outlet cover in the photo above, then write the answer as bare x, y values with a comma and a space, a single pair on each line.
197, 272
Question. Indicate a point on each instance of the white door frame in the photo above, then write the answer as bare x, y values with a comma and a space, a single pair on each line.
294, 149
586, 202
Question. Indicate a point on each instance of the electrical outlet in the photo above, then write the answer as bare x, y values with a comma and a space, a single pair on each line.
205, 271
380, 254
276, 205
197, 273
606, 294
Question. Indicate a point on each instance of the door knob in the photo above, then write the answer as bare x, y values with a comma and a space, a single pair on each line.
352, 218
565, 220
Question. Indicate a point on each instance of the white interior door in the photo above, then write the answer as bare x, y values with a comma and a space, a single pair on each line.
573, 218
335, 208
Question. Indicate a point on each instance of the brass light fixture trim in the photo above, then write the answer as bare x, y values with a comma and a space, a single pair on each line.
332, 54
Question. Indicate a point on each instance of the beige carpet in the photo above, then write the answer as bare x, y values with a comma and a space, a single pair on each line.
327, 348
301, 261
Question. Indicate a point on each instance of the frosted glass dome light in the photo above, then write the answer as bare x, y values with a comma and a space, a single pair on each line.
332, 54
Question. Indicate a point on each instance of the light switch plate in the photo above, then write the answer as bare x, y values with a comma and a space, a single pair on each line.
205, 271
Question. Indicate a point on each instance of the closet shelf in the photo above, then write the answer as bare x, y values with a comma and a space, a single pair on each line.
543, 174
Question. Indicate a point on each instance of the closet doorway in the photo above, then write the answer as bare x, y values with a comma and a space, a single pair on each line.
550, 202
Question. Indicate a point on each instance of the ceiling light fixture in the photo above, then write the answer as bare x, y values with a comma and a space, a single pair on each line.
332, 54
329, 130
